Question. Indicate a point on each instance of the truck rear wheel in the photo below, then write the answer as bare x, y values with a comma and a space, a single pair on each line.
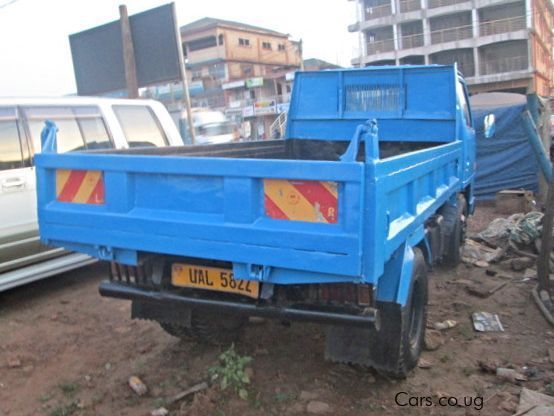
393, 348
456, 237
208, 328
399, 341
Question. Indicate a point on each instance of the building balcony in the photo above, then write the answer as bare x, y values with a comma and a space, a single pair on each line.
503, 65
409, 5
442, 3
375, 12
451, 35
380, 46
502, 26
412, 41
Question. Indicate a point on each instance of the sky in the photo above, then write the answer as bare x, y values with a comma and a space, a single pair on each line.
35, 58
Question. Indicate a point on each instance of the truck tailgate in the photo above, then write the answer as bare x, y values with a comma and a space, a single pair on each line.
289, 214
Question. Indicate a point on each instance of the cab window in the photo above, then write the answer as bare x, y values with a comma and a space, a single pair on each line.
79, 127
140, 126
465, 105
11, 155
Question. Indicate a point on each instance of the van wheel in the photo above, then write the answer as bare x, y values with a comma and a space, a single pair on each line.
208, 328
399, 341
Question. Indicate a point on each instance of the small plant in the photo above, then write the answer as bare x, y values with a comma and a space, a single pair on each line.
46, 397
64, 410
69, 389
230, 372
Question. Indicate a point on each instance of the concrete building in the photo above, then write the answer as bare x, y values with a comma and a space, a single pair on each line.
499, 45
245, 71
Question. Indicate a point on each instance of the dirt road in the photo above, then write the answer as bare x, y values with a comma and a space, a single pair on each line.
64, 350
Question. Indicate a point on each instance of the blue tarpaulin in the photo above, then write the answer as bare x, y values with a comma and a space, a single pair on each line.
505, 161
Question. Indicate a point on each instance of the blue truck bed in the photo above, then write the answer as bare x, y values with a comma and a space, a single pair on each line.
372, 163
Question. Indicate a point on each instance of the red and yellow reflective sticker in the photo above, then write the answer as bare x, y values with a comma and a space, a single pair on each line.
297, 200
80, 186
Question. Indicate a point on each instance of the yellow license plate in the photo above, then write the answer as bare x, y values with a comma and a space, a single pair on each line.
212, 278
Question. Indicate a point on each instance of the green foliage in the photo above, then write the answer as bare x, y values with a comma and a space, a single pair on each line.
230, 372
64, 410
69, 388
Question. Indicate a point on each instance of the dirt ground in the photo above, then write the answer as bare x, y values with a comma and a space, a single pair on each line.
64, 350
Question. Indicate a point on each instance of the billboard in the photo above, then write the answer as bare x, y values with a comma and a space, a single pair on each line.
97, 53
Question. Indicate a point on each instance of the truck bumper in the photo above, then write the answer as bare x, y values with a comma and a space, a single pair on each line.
369, 319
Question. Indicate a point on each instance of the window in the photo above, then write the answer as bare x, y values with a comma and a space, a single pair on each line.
10, 143
464, 104
244, 42
220, 39
79, 127
202, 43
139, 126
281, 47
266, 45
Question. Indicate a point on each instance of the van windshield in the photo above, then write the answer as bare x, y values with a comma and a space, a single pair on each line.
215, 129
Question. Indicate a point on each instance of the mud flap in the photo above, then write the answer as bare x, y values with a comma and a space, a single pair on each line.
367, 347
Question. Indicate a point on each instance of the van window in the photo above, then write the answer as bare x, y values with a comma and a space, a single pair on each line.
139, 126
10, 142
79, 127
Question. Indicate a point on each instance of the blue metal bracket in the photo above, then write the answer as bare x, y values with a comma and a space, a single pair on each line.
48, 138
370, 130
394, 284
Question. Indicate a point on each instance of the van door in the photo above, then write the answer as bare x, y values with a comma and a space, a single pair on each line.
18, 225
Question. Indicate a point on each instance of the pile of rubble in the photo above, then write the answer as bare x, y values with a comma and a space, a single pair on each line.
516, 239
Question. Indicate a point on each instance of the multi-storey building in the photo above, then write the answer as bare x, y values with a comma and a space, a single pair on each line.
499, 45
245, 71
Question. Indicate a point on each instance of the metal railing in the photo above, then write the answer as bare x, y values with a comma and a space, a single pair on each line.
499, 66
374, 12
451, 35
412, 41
440, 3
380, 46
502, 26
409, 5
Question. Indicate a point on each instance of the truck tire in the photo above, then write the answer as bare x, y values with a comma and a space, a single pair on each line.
208, 328
457, 215
399, 341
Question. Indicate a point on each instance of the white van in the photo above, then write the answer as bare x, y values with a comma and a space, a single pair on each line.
210, 126
83, 123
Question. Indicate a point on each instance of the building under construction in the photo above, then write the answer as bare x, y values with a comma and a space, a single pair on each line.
499, 45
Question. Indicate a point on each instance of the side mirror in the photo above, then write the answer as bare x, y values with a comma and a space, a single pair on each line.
489, 125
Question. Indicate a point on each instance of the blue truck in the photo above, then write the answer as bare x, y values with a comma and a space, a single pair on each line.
335, 224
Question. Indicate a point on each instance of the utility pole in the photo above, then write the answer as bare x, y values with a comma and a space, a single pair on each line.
128, 53
300, 49
186, 96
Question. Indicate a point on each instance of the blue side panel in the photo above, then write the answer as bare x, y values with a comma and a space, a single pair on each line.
506, 160
404, 191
